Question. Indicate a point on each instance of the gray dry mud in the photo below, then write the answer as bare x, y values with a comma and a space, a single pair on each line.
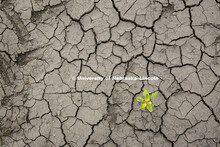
44, 43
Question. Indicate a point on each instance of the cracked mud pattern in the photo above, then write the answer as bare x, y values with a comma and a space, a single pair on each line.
44, 43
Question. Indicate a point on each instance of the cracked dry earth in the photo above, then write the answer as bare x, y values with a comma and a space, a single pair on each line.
44, 43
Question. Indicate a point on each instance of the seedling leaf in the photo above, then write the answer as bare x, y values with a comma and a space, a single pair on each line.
150, 108
143, 105
153, 95
147, 99
152, 105
140, 99
142, 108
145, 94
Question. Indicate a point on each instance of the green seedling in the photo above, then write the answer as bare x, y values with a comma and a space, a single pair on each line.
146, 101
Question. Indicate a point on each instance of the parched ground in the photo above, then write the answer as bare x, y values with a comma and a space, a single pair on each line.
44, 44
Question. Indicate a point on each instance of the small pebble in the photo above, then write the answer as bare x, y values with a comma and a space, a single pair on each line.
27, 81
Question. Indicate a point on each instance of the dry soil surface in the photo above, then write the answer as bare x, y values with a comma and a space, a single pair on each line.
45, 45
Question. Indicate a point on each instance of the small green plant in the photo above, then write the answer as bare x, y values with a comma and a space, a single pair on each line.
146, 101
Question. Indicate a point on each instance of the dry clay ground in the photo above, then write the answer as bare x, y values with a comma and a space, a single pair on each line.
44, 43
